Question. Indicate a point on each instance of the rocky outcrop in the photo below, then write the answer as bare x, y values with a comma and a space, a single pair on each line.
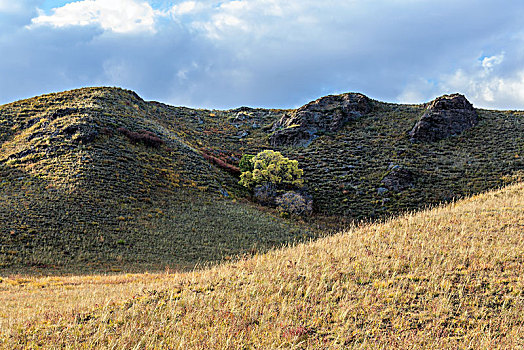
398, 179
294, 203
327, 114
293, 136
81, 132
265, 194
288, 202
446, 116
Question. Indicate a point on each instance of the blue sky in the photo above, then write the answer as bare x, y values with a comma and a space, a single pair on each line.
266, 53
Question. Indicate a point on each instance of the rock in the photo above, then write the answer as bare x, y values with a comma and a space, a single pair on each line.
265, 194
382, 190
242, 109
446, 116
85, 136
241, 134
62, 112
398, 179
294, 203
70, 129
81, 132
294, 136
328, 113
21, 154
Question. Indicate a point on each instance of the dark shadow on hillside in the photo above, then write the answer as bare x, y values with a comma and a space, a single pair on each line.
50, 230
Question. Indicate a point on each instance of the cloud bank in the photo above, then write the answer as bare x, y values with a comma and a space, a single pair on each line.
268, 53
119, 16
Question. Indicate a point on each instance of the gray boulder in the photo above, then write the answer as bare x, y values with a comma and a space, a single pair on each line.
294, 203
293, 136
327, 114
398, 179
81, 132
265, 194
446, 116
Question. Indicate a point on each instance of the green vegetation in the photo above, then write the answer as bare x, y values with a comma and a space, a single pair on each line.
271, 168
91, 181
98, 180
246, 163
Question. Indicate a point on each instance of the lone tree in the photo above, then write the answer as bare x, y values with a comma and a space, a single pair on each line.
274, 180
273, 169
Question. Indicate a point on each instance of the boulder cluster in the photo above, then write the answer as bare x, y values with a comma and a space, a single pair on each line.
398, 179
327, 114
294, 202
446, 116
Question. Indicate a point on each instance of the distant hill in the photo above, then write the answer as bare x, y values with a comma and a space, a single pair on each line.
97, 177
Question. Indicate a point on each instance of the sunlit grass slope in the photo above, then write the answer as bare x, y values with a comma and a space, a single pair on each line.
449, 277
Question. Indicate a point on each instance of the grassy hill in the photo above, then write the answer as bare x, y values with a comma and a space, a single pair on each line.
446, 278
97, 178
92, 179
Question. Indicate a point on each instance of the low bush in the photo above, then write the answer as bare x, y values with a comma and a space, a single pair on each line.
221, 164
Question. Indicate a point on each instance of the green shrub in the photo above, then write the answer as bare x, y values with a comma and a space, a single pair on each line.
270, 167
245, 163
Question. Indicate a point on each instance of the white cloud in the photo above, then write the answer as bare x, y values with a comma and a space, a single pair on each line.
9, 6
417, 91
12, 7
187, 8
484, 82
256, 18
272, 53
119, 16
489, 62
488, 90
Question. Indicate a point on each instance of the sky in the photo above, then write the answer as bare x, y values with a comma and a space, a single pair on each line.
266, 53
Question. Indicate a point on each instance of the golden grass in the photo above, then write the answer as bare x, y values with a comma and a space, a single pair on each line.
450, 277
27, 299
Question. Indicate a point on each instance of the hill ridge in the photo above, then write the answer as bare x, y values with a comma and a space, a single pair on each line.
77, 163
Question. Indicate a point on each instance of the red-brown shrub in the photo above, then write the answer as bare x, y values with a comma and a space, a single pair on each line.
221, 164
146, 137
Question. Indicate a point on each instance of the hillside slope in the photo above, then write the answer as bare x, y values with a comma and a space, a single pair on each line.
91, 178
98, 177
450, 277
344, 169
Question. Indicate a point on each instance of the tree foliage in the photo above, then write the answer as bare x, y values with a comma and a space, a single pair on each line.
245, 163
270, 167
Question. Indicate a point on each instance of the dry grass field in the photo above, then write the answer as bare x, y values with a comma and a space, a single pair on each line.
447, 278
